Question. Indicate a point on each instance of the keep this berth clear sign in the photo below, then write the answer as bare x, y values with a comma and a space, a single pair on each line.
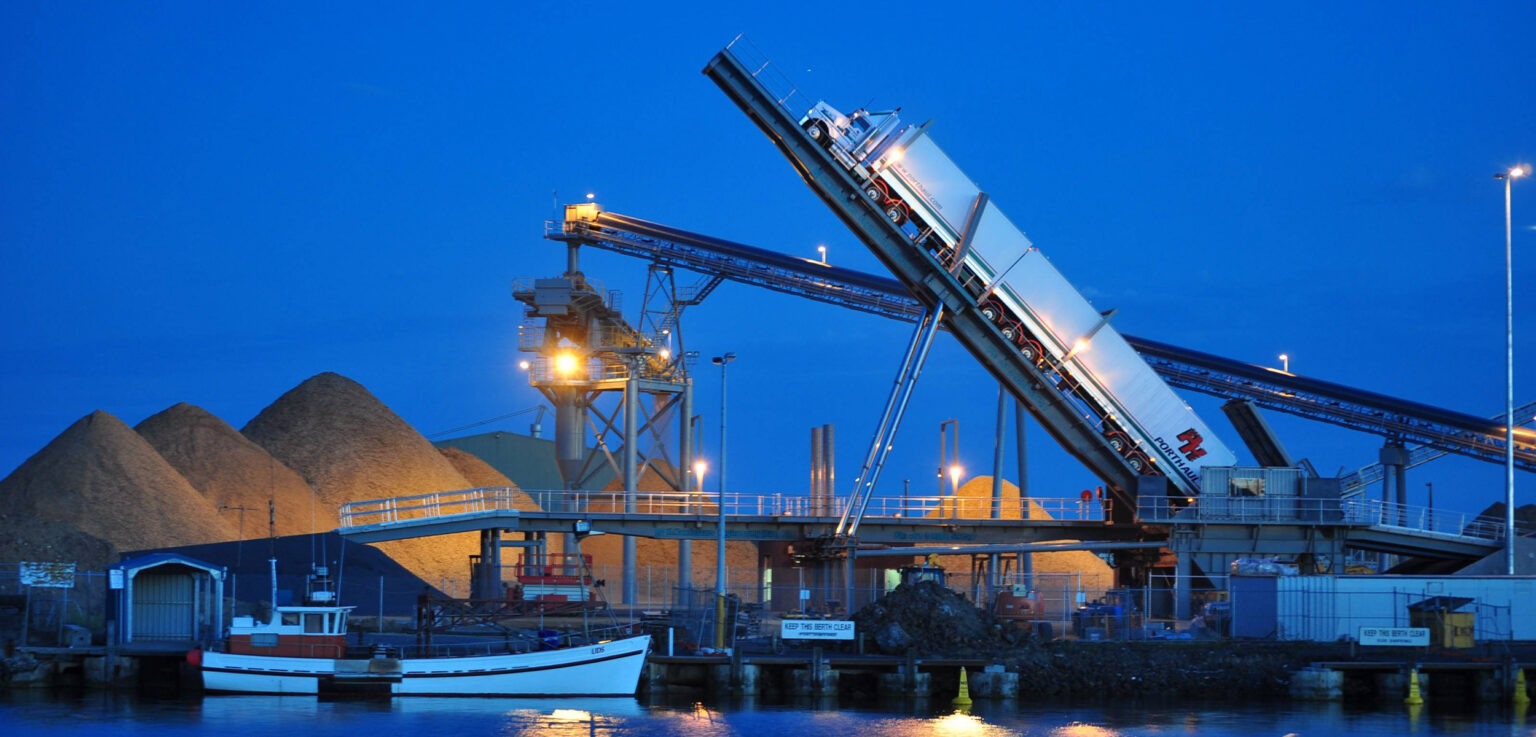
1395, 636
816, 629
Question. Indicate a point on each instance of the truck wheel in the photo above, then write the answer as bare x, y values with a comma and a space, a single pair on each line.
873, 192
817, 130
1136, 462
1031, 352
1118, 442
991, 310
896, 212
1011, 331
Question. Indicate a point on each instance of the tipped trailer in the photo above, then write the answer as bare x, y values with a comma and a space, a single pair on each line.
1071, 344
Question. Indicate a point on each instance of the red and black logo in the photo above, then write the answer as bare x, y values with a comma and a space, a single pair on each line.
1191, 447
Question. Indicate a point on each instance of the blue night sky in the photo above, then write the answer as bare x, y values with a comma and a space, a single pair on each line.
212, 203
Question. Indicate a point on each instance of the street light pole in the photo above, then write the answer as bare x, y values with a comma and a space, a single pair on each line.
1509, 365
721, 361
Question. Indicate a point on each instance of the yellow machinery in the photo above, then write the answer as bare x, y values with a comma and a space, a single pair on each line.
1448, 627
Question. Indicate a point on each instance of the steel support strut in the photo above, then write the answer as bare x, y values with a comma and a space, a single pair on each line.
890, 421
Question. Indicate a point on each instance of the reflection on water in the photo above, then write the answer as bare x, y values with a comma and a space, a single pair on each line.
43, 714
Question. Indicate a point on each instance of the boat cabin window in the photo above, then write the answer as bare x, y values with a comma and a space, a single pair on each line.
290, 618
341, 622
314, 623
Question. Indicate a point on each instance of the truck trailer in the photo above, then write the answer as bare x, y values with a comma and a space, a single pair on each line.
1016, 287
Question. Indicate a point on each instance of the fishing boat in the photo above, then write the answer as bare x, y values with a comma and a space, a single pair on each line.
303, 649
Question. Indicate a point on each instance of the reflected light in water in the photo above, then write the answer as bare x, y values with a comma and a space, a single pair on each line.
1079, 729
570, 715
959, 725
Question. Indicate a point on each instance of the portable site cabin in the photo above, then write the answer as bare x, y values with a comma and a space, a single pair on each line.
167, 598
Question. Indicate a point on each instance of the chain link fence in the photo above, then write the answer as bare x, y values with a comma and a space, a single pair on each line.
45, 615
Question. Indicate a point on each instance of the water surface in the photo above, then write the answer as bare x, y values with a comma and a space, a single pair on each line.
45, 714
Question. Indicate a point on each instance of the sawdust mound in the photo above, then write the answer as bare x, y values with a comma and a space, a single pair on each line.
1057, 575
231, 471
350, 447
479, 473
100, 481
661, 555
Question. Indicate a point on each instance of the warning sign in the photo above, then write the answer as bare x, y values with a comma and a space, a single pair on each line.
1395, 636
816, 629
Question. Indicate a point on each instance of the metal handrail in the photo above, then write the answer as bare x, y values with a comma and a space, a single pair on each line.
1290, 510
493, 499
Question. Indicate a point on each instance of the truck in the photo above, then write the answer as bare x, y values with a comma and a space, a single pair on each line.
925, 194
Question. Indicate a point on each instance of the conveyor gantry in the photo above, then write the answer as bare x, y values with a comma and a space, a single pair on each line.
1439, 431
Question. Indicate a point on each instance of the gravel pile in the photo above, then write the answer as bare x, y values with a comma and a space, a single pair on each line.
928, 619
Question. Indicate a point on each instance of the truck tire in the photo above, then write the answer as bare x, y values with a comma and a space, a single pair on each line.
1012, 331
896, 212
991, 310
1031, 352
1139, 463
1118, 442
817, 130
874, 192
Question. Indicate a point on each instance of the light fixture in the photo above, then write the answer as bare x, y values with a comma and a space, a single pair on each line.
565, 364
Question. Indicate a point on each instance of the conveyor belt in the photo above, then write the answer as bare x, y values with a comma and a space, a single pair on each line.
1436, 428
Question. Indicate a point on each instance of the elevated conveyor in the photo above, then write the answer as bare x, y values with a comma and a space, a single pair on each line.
1439, 430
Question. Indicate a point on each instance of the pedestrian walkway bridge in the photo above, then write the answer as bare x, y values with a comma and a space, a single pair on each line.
1371, 525
750, 517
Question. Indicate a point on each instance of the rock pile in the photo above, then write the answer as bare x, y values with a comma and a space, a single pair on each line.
925, 619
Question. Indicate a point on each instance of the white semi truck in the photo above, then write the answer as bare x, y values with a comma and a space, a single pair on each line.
922, 191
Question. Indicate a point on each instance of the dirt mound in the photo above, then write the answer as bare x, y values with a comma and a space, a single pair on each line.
661, 555
479, 473
926, 618
350, 447
231, 471
1058, 576
99, 480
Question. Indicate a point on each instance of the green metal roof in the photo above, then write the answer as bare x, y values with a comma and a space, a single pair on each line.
529, 462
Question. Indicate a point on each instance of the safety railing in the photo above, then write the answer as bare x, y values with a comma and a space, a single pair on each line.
1294, 510
437, 505
778, 84
422, 507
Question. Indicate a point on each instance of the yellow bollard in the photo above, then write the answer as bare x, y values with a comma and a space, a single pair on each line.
1520, 698
964, 697
1414, 697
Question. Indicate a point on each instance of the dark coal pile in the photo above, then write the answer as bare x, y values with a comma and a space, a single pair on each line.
928, 619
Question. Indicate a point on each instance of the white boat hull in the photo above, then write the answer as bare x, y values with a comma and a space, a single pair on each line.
607, 669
